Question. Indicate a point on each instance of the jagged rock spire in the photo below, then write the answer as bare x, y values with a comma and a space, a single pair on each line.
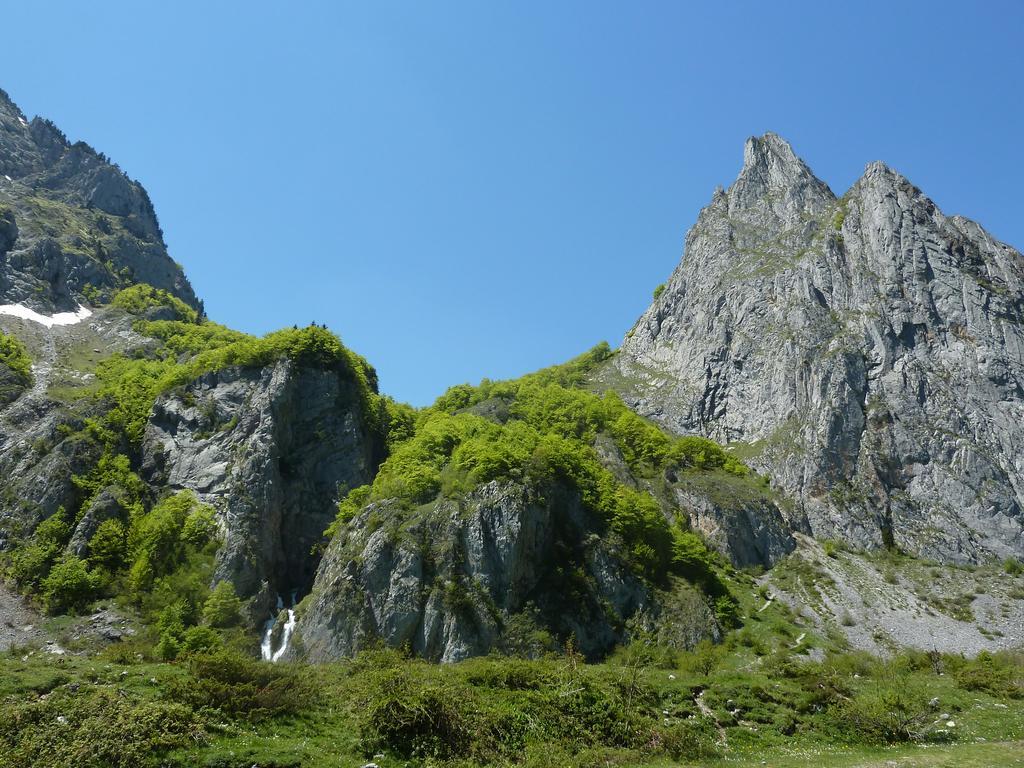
867, 348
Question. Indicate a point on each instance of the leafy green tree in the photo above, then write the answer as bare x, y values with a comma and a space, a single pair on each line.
223, 607
108, 547
68, 586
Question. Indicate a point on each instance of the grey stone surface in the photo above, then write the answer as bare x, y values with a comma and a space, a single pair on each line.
108, 505
71, 222
866, 351
488, 572
270, 449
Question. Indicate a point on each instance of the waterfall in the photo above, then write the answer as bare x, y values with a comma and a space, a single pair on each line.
267, 646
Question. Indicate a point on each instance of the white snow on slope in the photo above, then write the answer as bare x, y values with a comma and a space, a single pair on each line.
61, 318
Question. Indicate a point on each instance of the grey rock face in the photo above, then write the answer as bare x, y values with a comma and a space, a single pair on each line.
463, 577
270, 449
38, 458
108, 505
750, 530
72, 223
867, 352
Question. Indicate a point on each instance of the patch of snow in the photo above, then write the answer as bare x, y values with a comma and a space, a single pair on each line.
61, 318
22, 121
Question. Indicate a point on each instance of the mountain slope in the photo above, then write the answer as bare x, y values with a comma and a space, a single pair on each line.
73, 227
867, 352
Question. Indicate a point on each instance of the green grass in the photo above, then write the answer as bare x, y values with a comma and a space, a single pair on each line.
635, 710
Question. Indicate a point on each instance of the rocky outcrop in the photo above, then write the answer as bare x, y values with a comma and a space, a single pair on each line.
866, 351
42, 447
109, 504
745, 526
270, 449
501, 569
73, 227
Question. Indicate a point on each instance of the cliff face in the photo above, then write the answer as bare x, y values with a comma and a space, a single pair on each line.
867, 352
73, 227
501, 569
270, 449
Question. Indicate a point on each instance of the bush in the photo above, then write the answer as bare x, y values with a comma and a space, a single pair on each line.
162, 539
223, 607
200, 640
69, 586
692, 739
242, 687
894, 709
138, 299
108, 547
32, 561
15, 356
93, 727
418, 721
1013, 567
996, 674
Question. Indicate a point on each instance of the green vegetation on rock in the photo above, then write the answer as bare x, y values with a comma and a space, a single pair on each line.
140, 298
541, 429
15, 367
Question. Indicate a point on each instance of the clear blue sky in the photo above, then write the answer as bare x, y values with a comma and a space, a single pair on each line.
470, 189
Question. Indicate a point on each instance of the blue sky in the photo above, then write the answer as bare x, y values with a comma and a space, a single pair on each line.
470, 189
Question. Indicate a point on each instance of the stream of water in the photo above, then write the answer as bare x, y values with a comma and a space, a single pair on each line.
267, 646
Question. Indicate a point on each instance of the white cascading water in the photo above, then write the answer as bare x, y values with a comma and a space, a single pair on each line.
267, 646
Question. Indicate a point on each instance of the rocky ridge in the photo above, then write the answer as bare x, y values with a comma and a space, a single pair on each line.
867, 352
864, 351
73, 226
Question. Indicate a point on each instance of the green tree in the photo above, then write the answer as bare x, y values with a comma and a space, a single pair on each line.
223, 607
68, 586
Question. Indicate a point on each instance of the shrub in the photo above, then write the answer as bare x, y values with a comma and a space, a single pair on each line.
14, 355
93, 727
223, 607
994, 674
108, 547
1013, 566
894, 709
31, 562
200, 640
68, 586
242, 687
658, 290
416, 720
162, 539
138, 299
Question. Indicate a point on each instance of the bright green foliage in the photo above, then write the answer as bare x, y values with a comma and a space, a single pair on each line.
701, 453
15, 356
31, 563
108, 547
200, 640
68, 586
659, 289
130, 386
541, 429
111, 470
223, 607
137, 299
163, 539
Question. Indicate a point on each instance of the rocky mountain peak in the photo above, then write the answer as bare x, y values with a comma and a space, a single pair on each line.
775, 183
84, 227
865, 351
